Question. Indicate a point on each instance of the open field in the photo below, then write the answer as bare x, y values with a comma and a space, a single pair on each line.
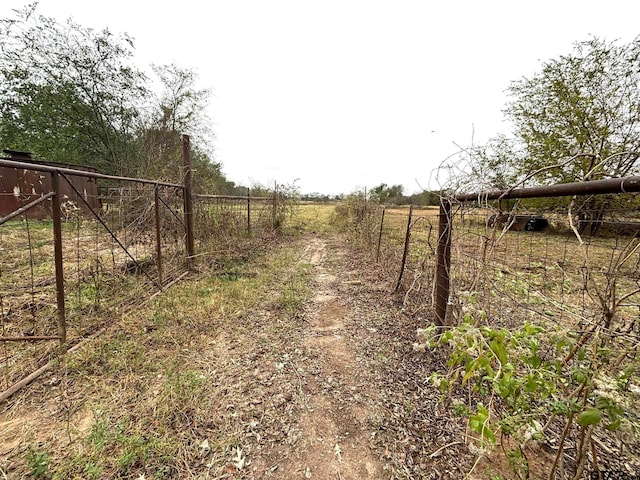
293, 358
315, 217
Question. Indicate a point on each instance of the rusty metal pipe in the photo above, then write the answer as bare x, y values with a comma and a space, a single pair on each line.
156, 204
229, 197
610, 185
248, 211
56, 213
83, 173
188, 199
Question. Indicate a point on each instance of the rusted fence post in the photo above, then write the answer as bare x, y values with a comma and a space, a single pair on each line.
188, 199
248, 211
156, 197
380, 236
56, 215
443, 262
406, 249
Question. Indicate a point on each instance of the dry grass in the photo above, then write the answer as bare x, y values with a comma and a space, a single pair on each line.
161, 394
102, 279
315, 217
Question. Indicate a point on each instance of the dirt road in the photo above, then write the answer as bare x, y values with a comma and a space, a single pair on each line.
365, 412
297, 366
335, 431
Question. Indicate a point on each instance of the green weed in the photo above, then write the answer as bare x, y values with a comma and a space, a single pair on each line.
38, 462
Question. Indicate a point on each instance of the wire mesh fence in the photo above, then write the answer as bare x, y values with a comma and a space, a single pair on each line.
73, 258
542, 260
384, 231
115, 249
517, 273
541, 318
226, 216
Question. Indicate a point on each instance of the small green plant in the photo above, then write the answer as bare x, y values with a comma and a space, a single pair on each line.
99, 435
38, 462
526, 376
92, 471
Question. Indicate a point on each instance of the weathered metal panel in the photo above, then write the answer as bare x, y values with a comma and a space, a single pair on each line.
19, 187
30, 185
8, 195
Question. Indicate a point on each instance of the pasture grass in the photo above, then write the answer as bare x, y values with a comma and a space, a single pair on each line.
315, 217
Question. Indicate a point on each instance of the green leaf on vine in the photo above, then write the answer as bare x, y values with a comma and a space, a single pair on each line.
590, 416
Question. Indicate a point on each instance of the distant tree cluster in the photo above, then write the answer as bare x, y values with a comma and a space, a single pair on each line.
320, 197
72, 94
393, 195
384, 193
424, 199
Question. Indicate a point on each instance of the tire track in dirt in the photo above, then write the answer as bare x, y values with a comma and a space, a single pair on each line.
335, 442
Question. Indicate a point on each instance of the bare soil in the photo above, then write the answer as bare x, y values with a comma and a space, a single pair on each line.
334, 431
364, 410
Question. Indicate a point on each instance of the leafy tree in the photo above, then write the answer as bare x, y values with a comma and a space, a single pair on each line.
424, 198
385, 194
71, 94
496, 165
576, 119
587, 102
209, 178
180, 108
181, 105
67, 92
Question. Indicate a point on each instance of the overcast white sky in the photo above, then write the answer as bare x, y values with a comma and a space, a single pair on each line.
351, 93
